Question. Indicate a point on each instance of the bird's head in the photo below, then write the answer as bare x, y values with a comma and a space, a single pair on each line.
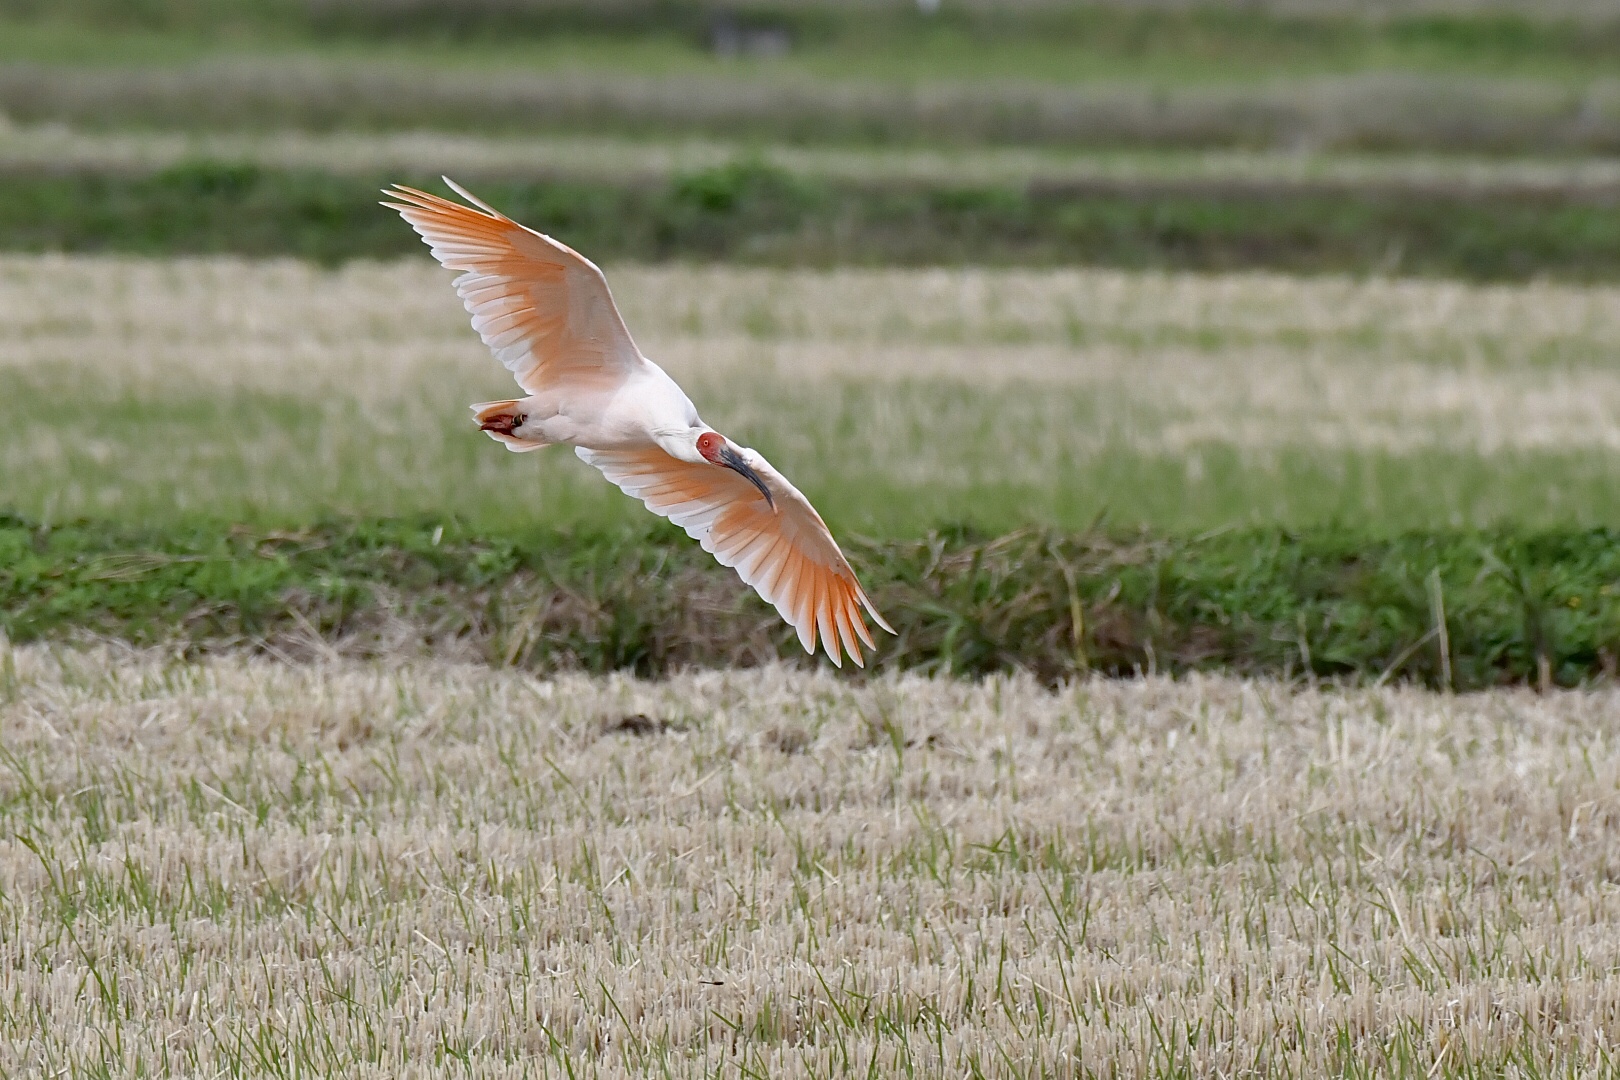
716, 449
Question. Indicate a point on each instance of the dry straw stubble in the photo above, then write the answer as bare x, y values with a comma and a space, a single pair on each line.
1255, 358
468, 156
236, 385
425, 870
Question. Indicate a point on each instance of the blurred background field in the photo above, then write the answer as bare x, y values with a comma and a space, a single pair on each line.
1452, 139
1119, 269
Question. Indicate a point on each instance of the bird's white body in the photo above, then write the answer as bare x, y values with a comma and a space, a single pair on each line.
646, 403
546, 313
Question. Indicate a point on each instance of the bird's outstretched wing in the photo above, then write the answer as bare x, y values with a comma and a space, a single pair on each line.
786, 554
543, 309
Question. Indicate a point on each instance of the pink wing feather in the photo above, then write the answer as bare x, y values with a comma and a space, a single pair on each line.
787, 555
543, 309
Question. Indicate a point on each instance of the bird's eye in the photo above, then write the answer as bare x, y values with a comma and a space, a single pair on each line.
708, 441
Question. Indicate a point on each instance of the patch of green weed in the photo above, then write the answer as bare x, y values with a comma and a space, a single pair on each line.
1465, 608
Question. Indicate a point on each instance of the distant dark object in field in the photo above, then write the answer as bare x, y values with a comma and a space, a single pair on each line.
729, 38
637, 724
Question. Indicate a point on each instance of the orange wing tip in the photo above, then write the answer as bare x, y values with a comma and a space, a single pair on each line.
416, 201
820, 618
829, 634
872, 611
858, 622
846, 632
475, 200
804, 612
829, 615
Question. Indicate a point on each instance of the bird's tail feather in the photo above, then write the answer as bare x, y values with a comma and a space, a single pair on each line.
488, 414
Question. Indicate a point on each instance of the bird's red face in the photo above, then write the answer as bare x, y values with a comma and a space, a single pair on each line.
709, 445
717, 451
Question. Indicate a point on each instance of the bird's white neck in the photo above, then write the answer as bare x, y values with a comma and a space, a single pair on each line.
680, 445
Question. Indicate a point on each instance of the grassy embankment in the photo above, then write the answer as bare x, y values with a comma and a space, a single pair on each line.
1464, 609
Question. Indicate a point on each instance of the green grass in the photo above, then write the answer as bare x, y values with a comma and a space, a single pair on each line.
1515, 605
885, 459
750, 212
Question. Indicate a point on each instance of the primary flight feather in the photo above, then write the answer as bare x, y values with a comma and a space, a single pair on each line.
546, 313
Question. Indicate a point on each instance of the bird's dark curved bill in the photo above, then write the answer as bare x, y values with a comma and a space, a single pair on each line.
733, 460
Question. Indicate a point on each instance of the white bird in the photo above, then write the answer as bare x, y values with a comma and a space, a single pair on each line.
546, 313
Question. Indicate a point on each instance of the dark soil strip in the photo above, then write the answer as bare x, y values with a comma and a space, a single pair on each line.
1468, 609
752, 213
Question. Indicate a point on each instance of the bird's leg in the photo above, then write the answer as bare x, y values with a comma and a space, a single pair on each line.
500, 420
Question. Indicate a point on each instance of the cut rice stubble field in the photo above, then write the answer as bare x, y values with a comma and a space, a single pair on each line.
435, 869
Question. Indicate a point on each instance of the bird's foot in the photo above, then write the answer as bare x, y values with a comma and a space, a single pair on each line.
502, 423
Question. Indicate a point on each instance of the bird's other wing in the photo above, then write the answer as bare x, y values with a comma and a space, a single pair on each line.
543, 309
787, 555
